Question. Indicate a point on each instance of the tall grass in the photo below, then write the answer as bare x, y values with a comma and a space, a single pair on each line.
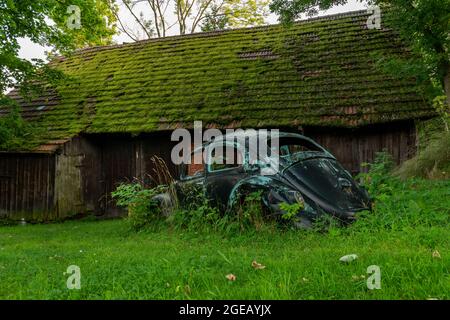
406, 235
432, 161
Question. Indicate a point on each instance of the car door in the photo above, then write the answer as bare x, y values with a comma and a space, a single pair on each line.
223, 171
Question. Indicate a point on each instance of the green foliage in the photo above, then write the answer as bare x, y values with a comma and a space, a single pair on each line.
44, 23
402, 204
32, 19
214, 19
249, 214
291, 210
443, 110
105, 94
14, 131
400, 236
407, 204
424, 25
198, 214
245, 13
143, 211
376, 180
195, 213
290, 10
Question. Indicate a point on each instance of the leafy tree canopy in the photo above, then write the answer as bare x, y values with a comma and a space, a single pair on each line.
61, 25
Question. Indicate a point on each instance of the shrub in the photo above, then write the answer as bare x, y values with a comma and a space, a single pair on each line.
412, 203
249, 214
142, 209
195, 213
379, 174
401, 204
15, 132
291, 210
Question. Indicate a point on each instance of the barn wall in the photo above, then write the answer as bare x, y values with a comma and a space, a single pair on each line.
352, 147
124, 159
80, 177
26, 186
78, 180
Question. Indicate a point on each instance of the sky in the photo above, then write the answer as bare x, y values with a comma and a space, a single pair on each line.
30, 50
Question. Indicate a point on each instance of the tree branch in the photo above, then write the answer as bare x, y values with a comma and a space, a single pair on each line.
136, 18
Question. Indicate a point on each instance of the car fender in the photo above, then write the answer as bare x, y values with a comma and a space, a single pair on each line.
253, 184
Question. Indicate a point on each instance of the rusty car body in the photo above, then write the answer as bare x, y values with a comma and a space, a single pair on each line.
308, 174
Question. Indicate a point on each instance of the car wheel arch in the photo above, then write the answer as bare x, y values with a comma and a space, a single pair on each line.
248, 186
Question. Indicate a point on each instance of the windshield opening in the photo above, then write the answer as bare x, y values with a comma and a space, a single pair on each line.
295, 149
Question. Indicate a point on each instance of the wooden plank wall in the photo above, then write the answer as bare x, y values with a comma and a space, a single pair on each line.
78, 178
88, 169
355, 146
114, 159
26, 186
124, 159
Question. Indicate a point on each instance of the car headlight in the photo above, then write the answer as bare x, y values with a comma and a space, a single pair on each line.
285, 195
295, 197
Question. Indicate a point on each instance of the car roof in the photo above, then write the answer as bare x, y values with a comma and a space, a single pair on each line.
251, 133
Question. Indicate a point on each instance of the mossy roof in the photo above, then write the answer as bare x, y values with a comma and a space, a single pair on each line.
317, 72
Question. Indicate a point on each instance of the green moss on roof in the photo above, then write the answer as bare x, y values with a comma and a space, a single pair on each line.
318, 72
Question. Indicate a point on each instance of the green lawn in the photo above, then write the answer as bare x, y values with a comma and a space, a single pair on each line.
172, 264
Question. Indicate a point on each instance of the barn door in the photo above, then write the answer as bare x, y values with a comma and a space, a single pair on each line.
5, 195
119, 165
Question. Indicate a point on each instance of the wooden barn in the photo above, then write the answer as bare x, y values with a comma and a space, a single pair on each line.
120, 103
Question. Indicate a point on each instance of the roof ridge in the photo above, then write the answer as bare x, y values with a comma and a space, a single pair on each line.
335, 16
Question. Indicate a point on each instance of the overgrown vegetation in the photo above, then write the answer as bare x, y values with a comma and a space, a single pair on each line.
197, 214
432, 160
402, 204
142, 210
14, 130
407, 236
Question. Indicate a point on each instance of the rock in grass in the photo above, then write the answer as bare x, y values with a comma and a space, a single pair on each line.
348, 258
257, 265
231, 277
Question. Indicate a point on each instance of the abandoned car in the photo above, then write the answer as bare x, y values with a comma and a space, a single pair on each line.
306, 174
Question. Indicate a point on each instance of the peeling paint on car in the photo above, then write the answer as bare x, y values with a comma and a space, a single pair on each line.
312, 176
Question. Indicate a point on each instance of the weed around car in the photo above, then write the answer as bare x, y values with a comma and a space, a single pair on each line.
185, 256
196, 213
